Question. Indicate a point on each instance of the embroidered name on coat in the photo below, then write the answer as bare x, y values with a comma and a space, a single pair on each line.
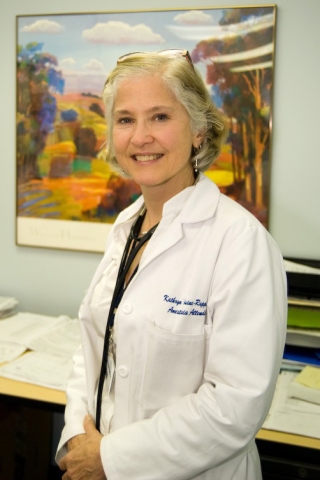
183, 307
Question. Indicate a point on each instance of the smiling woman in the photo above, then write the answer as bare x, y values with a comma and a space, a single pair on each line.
174, 74
153, 143
184, 323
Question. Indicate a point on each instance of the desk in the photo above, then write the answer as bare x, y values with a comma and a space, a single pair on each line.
29, 391
288, 439
268, 441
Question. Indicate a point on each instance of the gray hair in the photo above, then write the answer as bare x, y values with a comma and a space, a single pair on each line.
186, 83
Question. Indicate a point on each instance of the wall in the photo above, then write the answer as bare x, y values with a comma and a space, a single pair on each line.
53, 281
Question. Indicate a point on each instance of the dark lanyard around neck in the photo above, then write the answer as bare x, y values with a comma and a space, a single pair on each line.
133, 245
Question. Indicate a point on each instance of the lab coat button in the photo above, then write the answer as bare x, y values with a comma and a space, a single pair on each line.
127, 308
123, 371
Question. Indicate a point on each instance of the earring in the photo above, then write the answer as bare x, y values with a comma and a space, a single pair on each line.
196, 160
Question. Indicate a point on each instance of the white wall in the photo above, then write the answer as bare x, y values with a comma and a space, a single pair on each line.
53, 281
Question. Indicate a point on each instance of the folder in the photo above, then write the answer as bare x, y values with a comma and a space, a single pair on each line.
306, 385
303, 317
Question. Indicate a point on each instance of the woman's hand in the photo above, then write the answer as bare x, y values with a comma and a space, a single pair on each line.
76, 441
83, 461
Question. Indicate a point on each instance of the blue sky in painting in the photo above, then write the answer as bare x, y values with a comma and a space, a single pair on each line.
87, 45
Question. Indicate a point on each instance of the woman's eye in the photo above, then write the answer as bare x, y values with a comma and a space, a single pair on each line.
161, 117
124, 120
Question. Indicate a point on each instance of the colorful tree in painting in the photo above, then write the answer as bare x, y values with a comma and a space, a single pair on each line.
239, 66
37, 80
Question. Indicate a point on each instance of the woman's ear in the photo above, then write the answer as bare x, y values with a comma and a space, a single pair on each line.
198, 140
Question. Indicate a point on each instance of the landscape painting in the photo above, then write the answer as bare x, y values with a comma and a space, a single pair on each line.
67, 195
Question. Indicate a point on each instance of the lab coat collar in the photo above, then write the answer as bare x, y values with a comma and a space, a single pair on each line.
196, 203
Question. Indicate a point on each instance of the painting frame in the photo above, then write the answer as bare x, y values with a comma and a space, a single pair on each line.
67, 197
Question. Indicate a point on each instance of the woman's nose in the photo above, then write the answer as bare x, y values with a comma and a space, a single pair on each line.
141, 134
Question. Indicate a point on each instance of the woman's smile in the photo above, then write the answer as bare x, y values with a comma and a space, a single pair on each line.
146, 158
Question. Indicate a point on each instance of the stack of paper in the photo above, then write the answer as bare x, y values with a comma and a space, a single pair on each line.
52, 341
296, 267
303, 337
306, 385
292, 415
8, 306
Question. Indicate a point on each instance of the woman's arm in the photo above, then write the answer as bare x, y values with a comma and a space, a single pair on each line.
76, 408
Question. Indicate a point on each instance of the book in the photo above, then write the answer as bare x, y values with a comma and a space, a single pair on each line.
302, 337
306, 385
303, 316
301, 355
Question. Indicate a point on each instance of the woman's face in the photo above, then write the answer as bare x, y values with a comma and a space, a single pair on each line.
152, 137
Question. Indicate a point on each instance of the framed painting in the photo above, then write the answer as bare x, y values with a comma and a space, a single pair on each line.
67, 195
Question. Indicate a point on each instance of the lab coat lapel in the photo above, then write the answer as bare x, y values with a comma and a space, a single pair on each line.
200, 205
164, 238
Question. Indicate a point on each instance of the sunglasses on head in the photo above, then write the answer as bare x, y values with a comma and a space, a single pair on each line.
171, 53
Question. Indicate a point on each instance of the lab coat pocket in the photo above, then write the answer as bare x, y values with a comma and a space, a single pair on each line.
174, 367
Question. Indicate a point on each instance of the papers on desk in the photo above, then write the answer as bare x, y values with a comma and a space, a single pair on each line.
58, 335
291, 414
8, 306
295, 267
39, 368
9, 351
53, 341
306, 385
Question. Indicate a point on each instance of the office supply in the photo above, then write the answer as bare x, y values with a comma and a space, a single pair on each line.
39, 368
9, 351
303, 302
303, 337
53, 341
292, 415
306, 385
56, 335
62, 339
303, 316
301, 266
8, 306
301, 355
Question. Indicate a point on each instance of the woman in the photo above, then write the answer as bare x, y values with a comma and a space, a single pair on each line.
182, 379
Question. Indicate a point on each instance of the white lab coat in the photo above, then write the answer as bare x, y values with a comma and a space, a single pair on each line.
200, 335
